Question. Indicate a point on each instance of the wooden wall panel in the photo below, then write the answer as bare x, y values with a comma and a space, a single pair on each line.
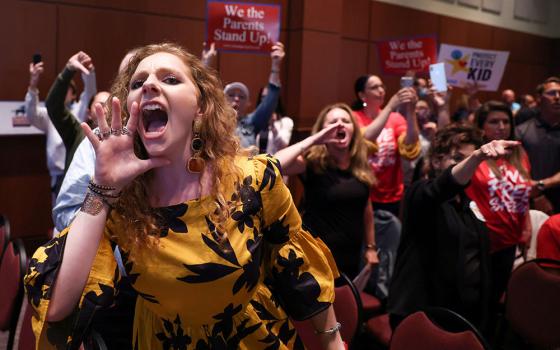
319, 74
389, 21
79, 30
24, 185
323, 15
353, 63
355, 19
26, 28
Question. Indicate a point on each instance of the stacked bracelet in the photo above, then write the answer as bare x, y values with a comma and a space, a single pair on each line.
106, 193
330, 331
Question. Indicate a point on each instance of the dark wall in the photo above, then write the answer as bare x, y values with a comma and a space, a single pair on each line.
329, 43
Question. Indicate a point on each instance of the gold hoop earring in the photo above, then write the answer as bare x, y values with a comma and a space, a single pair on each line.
196, 164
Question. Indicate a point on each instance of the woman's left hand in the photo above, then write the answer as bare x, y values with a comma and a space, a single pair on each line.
371, 257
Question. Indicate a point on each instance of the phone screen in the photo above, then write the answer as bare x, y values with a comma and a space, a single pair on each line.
437, 76
407, 82
37, 58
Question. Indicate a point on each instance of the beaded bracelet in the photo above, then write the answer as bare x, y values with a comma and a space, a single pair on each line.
330, 331
101, 187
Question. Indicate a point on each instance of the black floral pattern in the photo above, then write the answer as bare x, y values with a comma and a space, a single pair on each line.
172, 219
251, 204
278, 232
173, 337
128, 266
298, 292
45, 270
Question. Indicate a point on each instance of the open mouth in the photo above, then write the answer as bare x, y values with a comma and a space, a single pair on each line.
154, 118
340, 135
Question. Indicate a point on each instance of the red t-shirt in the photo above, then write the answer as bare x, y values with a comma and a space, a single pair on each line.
504, 202
386, 163
548, 240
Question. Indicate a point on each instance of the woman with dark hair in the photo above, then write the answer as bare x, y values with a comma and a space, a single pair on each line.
279, 131
395, 136
209, 237
501, 189
332, 164
442, 259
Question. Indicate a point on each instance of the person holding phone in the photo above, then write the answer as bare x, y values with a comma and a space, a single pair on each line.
395, 135
39, 118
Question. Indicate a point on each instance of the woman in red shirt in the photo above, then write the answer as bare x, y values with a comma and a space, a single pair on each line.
396, 137
501, 188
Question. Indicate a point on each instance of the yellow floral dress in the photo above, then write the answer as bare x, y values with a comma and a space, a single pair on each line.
196, 292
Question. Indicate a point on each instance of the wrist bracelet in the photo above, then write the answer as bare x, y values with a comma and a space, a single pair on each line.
371, 246
330, 331
93, 204
101, 187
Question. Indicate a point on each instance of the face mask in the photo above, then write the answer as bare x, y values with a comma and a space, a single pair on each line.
422, 92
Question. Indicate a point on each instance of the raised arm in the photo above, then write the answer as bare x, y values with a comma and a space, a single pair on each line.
463, 171
441, 103
208, 54
411, 136
116, 166
291, 158
259, 118
404, 95
90, 89
38, 116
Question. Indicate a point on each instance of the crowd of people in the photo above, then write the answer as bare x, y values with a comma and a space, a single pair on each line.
170, 193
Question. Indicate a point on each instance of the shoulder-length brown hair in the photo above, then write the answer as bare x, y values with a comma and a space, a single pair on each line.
515, 157
140, 223
319, 158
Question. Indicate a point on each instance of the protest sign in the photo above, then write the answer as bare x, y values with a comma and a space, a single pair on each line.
242, 26
400, 56
467, 65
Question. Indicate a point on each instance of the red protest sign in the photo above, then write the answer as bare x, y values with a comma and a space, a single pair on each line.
242, 26
401, 56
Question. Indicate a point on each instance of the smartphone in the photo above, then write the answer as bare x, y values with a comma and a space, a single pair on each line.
437, 76
407, 82
37, 58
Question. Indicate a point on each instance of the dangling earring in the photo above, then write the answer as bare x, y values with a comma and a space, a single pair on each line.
195, 163
364, 104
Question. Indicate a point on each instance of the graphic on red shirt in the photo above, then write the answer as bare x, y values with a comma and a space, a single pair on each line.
503, 201
386, 163
386, 156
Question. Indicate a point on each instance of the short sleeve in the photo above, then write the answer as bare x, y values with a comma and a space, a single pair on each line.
301, 269
407, 151
98, 293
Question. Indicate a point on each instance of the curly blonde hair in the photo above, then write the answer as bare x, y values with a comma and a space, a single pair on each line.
319, 158
140, 223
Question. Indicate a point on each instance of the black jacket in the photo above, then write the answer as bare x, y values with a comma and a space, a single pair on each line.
443, 255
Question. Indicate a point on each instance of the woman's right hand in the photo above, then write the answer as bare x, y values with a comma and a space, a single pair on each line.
404, 95
116, 164
327, 134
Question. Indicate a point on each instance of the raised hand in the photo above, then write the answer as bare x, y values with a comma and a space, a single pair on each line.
80, 61
277, 55
327, 134
35, 70
208, 53
116, 164
403, 96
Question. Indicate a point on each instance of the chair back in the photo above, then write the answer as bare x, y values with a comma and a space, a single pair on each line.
348, 309
537, 220
12, 270
533, 303
437, 329
26, 335
4, 234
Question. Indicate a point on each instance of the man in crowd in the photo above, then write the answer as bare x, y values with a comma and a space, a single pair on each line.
541, 139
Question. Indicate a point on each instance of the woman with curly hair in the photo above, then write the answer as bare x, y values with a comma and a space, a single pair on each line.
332, 164
210, 238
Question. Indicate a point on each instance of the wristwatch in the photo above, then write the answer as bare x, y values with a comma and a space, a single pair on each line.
540, 185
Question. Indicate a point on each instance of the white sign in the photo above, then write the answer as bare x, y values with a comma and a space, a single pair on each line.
468, 65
